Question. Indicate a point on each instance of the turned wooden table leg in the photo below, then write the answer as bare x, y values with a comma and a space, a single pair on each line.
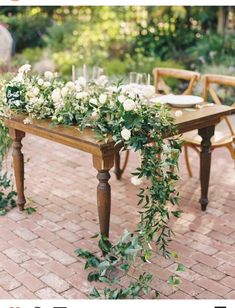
205, 163
103, 165
118, 170
18, 161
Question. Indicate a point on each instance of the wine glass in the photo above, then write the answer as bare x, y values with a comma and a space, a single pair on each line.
97, 72
146, 79
133, 77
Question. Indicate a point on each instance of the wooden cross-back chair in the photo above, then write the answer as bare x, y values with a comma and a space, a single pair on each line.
160, 84
222, 137
161, 73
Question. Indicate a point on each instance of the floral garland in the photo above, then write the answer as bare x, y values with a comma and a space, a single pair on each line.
122, 111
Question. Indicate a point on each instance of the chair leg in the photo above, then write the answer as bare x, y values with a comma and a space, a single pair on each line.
117, 162
187, 161
231, 149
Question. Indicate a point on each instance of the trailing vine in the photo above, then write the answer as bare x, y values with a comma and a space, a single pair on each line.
7, 195
124, 113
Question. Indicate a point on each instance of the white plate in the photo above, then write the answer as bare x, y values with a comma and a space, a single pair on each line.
181, 101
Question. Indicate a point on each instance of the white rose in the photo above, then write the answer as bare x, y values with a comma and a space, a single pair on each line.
102, 80
129, 105
93, 101
47, 84
112, 89
178, 113
81, 81
56, 95
148, 91
81, 95
19, 78
132, 95
70, 85
126, 134
24, 69
35, 91
64, 91
136, 181
40, 82
30, 93
102, 98
77, 86
48, 75
94, 115
60, 119
121, 98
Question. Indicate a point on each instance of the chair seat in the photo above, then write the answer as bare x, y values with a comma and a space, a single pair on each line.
220, 138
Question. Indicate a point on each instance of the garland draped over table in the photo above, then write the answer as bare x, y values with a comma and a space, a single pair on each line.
123, 112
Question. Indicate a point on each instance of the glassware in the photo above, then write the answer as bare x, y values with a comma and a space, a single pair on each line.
145, 79
97, 72
133, 77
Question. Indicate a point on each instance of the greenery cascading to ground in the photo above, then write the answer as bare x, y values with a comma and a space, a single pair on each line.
120, 112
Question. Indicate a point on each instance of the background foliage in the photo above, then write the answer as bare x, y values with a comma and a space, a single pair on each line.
123, 39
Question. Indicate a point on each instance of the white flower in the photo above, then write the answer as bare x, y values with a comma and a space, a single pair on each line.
129, 105
94, 115
132, 95
93, 101
178, 113
64, 91
35, 91
148, 91
121, 98
27, 121
48, 75
136, 181
166, 148
102, 81
81, 81
77, 86
29, 94
47, 84
56, 95
70, 85
60, 119
24, 69
40, 82
81, 95
126, 134
102, 98
112, 89
19, 78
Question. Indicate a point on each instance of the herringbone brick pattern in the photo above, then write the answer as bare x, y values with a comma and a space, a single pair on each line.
37, 251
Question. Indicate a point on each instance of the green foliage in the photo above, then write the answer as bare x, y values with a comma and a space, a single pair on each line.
207, 49
7, 194
27, 27
30, 210
5, 141
28, 55
7, 199
118, 257
119, 37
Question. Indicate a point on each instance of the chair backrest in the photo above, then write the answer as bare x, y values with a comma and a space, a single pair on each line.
221, 80
160, 73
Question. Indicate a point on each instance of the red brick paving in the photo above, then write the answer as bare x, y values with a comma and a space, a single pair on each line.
37, 251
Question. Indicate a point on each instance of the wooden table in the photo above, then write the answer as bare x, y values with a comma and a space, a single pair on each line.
203, 119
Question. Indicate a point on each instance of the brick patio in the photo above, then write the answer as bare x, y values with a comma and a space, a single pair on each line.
37, 251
